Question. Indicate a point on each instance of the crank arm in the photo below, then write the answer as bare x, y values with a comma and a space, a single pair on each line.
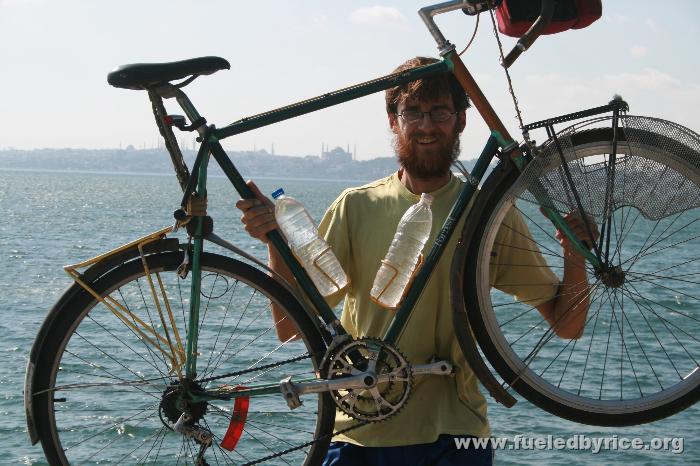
362, 380
365, 379
433, 368
291, 390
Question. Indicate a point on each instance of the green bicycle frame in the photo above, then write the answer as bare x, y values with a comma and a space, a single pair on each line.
499, 141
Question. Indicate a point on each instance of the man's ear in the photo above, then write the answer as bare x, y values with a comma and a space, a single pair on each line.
393, 122
461, 120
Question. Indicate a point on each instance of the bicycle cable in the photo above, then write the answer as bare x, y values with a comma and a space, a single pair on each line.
476, 28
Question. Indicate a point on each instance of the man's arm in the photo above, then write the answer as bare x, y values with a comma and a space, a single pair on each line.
566, 313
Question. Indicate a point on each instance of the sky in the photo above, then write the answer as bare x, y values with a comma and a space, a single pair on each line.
55, 56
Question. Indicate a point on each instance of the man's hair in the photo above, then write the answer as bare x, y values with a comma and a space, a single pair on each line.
429, 88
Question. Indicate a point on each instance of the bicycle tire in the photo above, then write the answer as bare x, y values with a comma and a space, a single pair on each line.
551, 372
99, 390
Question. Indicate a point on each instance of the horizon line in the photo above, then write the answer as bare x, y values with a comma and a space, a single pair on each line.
162, 149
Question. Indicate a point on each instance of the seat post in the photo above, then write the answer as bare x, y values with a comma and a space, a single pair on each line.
168, 91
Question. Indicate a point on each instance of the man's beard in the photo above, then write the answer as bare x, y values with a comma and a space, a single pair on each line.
428, 166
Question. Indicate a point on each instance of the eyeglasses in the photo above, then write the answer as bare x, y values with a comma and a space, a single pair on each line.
437, 116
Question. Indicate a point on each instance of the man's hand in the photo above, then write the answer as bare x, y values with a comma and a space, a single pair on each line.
259, 219
577, 224
258, 214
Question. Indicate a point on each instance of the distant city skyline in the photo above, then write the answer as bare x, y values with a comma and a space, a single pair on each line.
57, 54
333, 164
193, 146
326, 153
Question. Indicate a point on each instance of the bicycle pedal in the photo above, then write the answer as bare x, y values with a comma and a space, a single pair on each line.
289, 393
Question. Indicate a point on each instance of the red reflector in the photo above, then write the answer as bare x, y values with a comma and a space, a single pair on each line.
238, 418
168, 120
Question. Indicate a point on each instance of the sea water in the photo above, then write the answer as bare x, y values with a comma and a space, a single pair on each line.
53, 219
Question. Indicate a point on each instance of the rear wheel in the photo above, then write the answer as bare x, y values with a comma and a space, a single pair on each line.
106, 390
638, 357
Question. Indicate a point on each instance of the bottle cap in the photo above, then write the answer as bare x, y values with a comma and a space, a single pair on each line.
279, 192
426, 198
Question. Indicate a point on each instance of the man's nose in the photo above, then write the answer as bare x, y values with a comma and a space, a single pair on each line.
426, 121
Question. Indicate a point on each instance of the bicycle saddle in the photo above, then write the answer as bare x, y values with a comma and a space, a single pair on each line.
141, 76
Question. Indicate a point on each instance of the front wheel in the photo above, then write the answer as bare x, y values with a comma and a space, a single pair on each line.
638, 355
108, 390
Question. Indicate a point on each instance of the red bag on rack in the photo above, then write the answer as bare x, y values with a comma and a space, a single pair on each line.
516, 16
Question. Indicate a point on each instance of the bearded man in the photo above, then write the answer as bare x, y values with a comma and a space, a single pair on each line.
426, 118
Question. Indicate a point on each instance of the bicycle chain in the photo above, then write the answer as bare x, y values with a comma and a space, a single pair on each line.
255, 369
307, 444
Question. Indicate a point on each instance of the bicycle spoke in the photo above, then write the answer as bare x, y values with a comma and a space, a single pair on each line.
649, 277
148, 347
96, 367
528, 310
550, 332
665, 323
147, 440
256, 338
547, 233
607, 348
221, 326
645, 254
674, 266
623, 346
232, 335
108, 444
590, 345
655, 283
663, 348
160, 352
644, 246
110, 428
510, 246
646, 358
265, 310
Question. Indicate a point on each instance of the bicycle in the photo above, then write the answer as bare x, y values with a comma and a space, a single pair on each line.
137, 325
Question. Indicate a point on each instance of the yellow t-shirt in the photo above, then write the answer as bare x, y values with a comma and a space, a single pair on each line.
359, 226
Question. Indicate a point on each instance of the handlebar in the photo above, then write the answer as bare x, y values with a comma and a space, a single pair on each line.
427, 13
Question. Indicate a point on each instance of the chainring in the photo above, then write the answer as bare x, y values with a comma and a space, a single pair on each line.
354, 356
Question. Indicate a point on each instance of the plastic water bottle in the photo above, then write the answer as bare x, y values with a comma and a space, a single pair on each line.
315, 255
400, 262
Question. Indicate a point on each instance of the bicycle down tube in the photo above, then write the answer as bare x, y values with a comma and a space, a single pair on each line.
291, 111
